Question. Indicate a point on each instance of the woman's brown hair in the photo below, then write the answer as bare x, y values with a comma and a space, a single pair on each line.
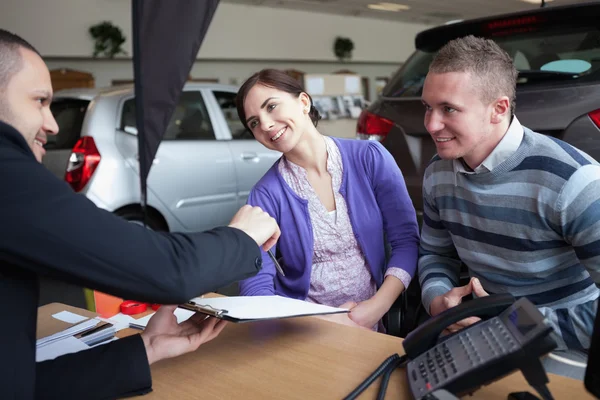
276, 79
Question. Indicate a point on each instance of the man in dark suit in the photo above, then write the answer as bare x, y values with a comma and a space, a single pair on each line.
47, 229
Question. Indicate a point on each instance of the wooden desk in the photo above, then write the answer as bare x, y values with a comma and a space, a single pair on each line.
299, 358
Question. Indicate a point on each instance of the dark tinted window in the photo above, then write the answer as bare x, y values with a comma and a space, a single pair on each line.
190, 120
226, 101
69, 114
555, 56
408, 81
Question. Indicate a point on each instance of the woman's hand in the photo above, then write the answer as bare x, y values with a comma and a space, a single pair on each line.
344, 318
368, 313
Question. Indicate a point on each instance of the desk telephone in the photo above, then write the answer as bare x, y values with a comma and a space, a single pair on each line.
511, 335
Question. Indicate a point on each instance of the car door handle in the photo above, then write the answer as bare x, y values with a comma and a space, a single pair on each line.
252, 157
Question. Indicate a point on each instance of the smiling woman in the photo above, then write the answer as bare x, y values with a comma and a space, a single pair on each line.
332, 246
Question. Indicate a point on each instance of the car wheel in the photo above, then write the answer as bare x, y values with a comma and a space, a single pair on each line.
136, 217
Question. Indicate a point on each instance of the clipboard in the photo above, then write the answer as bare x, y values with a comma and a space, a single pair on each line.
240, 309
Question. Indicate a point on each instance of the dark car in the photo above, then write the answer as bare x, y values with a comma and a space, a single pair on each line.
557, 53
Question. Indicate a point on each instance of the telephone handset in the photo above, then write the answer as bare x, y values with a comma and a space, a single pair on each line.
427, 335
512, 335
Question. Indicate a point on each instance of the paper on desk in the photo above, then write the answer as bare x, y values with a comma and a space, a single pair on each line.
74, 330
69, 317
67, 345
180, 314
120, 321
265, 307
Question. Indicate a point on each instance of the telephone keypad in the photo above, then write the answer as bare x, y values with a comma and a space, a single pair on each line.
485, 342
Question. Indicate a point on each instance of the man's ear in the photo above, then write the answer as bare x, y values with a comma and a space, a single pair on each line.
500, 110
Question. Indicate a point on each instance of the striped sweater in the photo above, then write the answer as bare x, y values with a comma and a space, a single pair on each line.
529, 227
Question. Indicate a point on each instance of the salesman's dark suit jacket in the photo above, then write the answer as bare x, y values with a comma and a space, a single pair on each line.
47, 229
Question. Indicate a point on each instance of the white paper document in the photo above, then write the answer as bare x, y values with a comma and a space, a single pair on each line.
67, 345
69, 317
120, 321
254, 308
180, 314
74, 330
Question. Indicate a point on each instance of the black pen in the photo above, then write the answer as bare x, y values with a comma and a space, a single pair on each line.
275, 262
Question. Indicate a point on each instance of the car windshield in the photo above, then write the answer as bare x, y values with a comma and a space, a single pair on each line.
550, 56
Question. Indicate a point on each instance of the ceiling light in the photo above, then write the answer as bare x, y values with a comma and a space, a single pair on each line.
389, 7
539, 2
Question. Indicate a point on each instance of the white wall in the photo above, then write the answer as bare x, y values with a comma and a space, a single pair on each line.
240, 41
226, 71
60, 28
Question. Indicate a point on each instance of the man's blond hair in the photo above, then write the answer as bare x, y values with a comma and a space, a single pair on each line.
491, 67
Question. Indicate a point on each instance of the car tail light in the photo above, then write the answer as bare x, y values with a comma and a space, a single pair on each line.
595, 116
372, 126
83, 162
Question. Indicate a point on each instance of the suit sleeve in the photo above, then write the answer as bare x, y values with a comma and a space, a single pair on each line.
50, 230
116, 369
262, 284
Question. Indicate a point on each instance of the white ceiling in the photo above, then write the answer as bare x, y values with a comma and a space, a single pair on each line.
429, 12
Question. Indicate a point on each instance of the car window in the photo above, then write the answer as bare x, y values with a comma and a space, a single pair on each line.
226, 101
535, 55
69, 115
408, 81
190, 120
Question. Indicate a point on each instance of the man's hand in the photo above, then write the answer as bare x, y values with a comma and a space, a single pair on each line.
367, 313
257, 224
454, 298
478, 290
165, 338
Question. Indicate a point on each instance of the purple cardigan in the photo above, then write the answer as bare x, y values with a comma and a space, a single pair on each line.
378, 203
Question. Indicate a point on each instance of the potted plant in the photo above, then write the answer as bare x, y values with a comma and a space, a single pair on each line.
342, 48
108, 39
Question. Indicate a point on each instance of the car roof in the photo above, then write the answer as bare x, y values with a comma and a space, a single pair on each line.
91, 93
572, 14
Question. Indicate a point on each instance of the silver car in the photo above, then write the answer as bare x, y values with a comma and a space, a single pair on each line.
203, 171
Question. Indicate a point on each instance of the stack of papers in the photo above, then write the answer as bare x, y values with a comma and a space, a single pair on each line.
78, 337
100, 334
67, 345
72, 331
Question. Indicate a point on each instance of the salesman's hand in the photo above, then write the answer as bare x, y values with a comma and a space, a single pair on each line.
454, 298
165, 338
257, 224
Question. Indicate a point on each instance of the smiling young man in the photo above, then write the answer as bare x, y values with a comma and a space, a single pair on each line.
521, 210
47, 229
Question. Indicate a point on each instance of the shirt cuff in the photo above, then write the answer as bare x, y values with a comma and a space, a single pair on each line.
430, 293
401, 274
